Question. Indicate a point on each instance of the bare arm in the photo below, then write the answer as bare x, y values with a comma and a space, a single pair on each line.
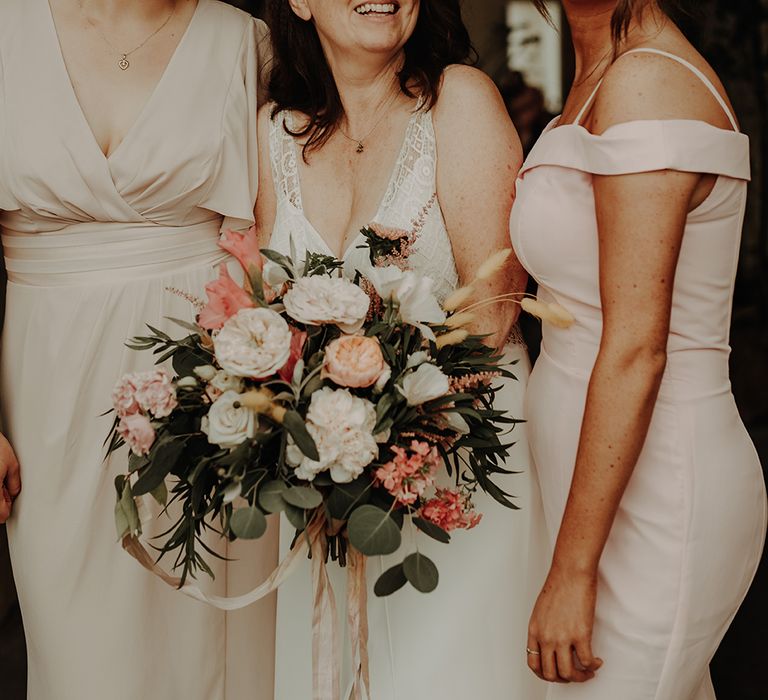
266, 201
641, 220
479, 156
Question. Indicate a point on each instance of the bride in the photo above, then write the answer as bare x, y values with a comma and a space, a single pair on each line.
374, 120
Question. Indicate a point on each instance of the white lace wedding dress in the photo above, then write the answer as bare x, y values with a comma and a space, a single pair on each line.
466, 639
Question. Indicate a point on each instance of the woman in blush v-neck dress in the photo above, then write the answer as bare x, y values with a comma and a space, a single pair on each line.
91, 241
653, 493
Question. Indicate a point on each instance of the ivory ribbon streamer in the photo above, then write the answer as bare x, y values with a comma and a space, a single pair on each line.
326, 647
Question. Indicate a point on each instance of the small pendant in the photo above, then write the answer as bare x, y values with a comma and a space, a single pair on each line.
360, 147
123, 62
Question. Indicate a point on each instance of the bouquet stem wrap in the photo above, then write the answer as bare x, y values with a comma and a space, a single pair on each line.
326, 645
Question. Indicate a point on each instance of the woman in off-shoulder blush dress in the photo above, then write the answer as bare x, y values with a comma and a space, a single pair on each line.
127, 141
629, 213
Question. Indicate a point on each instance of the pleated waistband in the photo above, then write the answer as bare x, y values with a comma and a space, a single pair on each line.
105, 253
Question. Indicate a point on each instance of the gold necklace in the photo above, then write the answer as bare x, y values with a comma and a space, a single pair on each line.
123, 63
361, 142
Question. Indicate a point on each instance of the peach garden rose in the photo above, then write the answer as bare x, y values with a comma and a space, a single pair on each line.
354, 361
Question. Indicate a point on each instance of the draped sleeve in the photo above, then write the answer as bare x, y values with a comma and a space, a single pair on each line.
6, 201
645, 146
235, 181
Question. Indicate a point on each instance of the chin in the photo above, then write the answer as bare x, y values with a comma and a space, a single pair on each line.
383, 27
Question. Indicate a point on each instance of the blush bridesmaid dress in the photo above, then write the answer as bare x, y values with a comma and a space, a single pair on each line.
91, 245
690, 528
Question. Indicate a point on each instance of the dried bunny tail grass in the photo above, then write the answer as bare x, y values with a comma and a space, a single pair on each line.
453, 338
198, 303
463, 318
553, 314
457, 299
493, 265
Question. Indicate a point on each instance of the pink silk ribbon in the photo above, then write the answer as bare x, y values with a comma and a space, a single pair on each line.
326, 647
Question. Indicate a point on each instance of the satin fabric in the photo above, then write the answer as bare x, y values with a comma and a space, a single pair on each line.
92, 246
690, 527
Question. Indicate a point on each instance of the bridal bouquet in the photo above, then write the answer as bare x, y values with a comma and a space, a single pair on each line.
337, 403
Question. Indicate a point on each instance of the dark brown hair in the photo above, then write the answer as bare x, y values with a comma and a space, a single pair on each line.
625, 12
301, 79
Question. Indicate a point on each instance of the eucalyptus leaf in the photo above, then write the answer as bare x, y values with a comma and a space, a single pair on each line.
248, 523
295, 425
270, 496
421, 572
434, 531
303, 497
344, 497
296, 516
372, 531
391, 581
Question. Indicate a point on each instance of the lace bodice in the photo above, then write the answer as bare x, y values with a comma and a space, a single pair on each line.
409, 197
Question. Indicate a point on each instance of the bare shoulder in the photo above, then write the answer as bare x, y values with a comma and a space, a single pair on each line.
464, 89
650, 86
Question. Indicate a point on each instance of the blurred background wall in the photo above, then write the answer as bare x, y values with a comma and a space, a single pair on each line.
733, 35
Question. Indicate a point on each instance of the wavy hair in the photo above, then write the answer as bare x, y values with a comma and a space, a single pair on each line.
301, 78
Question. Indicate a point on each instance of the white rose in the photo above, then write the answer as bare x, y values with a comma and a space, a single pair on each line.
425, 384
253, 343
226, 425
413, 292
205, 372
321, 300
342, 427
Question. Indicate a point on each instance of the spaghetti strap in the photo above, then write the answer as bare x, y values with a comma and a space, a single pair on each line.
583, 110
697, 72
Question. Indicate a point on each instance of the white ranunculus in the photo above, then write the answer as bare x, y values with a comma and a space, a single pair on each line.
413, 293
342, 427
253, 343
424, 384
321, 300
227, 425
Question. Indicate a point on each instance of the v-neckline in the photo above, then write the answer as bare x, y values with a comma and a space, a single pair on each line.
393, 176
57, 49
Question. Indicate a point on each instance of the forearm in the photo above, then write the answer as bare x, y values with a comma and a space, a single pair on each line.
620, 401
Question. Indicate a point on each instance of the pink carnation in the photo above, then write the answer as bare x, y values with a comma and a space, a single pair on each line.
155, 392
124, 396
410, 473
451, 509
225, 299
137, 432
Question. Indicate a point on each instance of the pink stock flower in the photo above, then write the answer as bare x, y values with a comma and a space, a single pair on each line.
388, 233
137, 432
225, 299
243, 246
298, 338
354, 361
410, 473
451, 509
155, 392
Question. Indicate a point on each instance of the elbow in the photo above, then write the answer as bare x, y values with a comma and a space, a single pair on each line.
644, 361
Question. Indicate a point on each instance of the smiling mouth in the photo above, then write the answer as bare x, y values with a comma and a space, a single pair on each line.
374, 9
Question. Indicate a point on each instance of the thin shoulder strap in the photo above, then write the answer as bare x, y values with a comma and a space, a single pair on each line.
698, 73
